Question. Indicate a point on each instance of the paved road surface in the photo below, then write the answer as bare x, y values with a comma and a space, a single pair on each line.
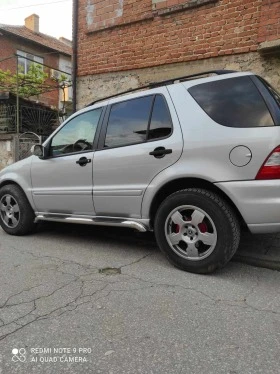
57, 296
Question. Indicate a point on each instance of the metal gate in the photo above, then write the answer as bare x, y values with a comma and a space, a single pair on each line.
38, 120
25, 142
7, 118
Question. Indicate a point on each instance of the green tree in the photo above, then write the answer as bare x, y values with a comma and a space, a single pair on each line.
33, 83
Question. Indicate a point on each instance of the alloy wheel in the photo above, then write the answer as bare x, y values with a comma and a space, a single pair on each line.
190, 232
9, 211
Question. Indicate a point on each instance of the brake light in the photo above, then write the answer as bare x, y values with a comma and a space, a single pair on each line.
270, 169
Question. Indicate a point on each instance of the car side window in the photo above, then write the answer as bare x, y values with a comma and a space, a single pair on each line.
138, 120
128, 122
234, 102
161, 124
77, 135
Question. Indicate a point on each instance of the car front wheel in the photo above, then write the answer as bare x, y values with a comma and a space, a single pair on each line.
16, 214
197, 230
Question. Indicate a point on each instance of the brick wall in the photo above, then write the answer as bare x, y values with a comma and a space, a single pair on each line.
10, 45
269, 28
102, 14
7, 50
145, 33
97, 86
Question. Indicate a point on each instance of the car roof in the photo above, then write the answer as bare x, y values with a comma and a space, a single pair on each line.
195, 82
188, 81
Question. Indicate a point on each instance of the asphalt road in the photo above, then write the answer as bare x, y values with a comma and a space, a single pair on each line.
77, 299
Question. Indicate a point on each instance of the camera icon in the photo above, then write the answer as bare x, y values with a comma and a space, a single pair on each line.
19, 355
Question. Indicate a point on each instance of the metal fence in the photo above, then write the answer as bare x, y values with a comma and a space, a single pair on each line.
7, 118
34, 100
39, 120
25, 142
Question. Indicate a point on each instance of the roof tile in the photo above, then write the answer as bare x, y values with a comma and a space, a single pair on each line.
39, 38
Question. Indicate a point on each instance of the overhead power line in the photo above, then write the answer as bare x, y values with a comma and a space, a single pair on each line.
31, 5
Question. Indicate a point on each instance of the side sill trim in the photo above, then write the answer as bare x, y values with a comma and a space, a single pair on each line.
101, 221
62, 192
264, 228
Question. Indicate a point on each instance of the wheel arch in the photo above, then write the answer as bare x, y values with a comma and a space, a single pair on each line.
10, 181
27, 193
183, 183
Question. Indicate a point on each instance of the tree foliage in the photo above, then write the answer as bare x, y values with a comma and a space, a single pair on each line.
33, 83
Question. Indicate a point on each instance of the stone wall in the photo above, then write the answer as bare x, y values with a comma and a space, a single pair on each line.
7, 150
93, 87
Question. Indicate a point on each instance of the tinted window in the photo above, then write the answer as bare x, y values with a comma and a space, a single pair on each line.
128, 122
234, 102
77, 135
161, 125
272, 90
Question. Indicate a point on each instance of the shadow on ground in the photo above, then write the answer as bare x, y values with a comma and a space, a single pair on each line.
265, 246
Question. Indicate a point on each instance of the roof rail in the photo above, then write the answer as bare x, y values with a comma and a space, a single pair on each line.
166, 82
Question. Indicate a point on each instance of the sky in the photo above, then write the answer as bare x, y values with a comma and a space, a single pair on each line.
55, 15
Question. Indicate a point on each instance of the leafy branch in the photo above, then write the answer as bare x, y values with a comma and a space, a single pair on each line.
33, 83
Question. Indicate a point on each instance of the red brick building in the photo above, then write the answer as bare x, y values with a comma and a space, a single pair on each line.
27, 41
127, 43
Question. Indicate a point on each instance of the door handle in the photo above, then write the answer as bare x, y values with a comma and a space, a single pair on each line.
83, 161
160, 152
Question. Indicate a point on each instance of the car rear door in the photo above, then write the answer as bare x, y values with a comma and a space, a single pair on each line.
141, 136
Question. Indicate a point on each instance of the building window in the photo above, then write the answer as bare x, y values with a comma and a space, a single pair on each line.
25, 60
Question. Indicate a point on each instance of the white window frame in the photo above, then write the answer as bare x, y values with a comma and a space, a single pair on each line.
25, 63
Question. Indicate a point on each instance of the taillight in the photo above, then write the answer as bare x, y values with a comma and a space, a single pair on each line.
270, 169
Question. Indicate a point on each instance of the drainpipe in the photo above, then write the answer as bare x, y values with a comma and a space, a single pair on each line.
17, 98
75, 48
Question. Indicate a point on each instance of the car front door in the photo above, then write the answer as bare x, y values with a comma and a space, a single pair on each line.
62, 183
140, 138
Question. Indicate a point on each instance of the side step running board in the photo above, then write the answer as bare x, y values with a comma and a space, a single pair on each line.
101, 221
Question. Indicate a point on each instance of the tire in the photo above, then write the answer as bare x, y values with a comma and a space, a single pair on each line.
197, 230
16, 214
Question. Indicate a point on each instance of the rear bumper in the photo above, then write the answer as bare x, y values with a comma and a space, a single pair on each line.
257, 201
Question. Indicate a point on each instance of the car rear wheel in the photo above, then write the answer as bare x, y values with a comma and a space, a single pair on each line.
16, 214
197, 230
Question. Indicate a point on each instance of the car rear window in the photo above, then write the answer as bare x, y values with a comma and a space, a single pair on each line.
275, 94
234, 102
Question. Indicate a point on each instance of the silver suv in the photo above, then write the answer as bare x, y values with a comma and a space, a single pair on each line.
192, 159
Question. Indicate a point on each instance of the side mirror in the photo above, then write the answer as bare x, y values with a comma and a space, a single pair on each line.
38, 150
